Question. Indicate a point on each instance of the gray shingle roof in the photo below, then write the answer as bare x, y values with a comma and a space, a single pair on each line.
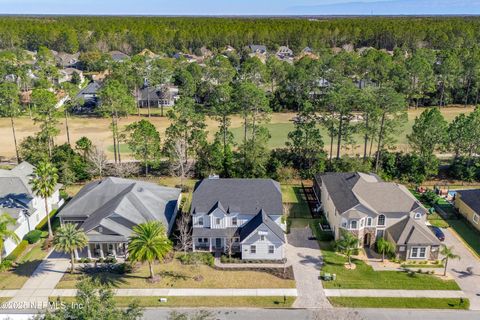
118, 204
409, 231
91, 89
471, 198
244, 196
339, 186
257, 221
208, 232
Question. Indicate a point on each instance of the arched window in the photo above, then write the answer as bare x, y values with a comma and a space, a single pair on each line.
381, 220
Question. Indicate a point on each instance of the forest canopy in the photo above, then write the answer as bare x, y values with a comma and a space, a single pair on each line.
169, 34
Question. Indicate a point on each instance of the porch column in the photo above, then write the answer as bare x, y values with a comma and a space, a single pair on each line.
210, 244
193, 244
114, 250
89, 252
101, 251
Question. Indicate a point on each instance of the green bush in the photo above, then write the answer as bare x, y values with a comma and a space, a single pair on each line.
15, 254
33, 236
6, 265
43, 222
195, 258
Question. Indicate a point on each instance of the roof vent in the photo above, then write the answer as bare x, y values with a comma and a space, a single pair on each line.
214, 176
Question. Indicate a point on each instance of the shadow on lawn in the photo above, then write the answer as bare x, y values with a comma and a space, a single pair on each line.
27, 268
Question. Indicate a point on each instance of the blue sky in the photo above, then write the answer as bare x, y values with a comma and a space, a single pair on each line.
239, 7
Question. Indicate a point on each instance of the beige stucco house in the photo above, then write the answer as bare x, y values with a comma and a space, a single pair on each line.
468, 204
366, 206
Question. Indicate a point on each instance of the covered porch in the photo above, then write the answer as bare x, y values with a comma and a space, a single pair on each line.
97, 250
215, 244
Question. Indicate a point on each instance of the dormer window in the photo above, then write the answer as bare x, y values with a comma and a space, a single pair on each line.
200, 221
381, 220
234, 221
217, 220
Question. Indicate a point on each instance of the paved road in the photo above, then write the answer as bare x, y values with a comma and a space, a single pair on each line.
304, 254
466, 270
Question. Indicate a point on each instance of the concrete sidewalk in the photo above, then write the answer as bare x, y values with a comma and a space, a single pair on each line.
198, 292
39, 286
394, 293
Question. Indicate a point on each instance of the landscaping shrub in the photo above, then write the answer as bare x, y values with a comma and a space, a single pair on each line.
5, 265
18, 251
111, 260
33, 236
195, 258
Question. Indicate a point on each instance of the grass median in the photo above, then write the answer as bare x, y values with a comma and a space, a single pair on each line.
401, 303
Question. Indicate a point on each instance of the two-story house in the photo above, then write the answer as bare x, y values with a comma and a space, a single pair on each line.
240, 215
366, 206
18, 200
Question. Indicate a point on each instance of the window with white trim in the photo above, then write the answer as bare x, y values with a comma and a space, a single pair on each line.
253, 249
200, 221
369, 222
217, 221
381, 220
418, 252
476, 218
353, 224
262, 238
271, 249
234, 221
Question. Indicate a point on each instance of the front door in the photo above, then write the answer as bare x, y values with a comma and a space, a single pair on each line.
367, 240
218, 243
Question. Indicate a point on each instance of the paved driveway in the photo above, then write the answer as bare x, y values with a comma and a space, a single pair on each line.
466, 270
304, 254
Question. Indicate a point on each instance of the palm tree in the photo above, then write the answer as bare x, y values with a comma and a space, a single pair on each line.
5, 233
384, 246
44, 181
347, 244
149, 242
68, 239
448, 254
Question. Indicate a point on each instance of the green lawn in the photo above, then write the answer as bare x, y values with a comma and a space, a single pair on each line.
123, 148
278, 131
467, 233
175, 275
197, 302
364, 277
15, 278
293, 195
401, 303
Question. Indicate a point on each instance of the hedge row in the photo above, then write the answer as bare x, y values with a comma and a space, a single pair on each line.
17, 252
43, 222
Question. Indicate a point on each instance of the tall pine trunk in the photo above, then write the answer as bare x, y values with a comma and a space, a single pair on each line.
15, 139
339, 140
66, 127
380, 137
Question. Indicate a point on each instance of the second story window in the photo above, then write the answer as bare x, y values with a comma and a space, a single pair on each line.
217, 220
234, 221
262, 238
381, 220
369, 221
200, 221
353, 224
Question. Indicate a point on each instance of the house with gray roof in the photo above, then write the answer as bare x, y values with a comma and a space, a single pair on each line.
107, 210
258, 49
467, 203
19, 201
370, 208
243, 216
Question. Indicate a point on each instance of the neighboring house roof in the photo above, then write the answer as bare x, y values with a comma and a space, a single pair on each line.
409, 231
66, 59
243, 196
91, 89
283, 50
471, 198
258, 48
119, 204
155, 93
118, 55
348, 190
257, 221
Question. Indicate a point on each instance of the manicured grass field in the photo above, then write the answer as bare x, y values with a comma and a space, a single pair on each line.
401, 303
205, 302
467, 233
364, 277
293, 195
14, 279
124, 148
175, 275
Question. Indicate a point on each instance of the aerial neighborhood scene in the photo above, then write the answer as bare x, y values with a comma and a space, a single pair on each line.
251, 160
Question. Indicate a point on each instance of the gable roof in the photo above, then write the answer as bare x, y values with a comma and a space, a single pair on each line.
243, 196
348, 190
471, 198
408, 231
118, 204
257, 221
91, 89
258, 48
17, 180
